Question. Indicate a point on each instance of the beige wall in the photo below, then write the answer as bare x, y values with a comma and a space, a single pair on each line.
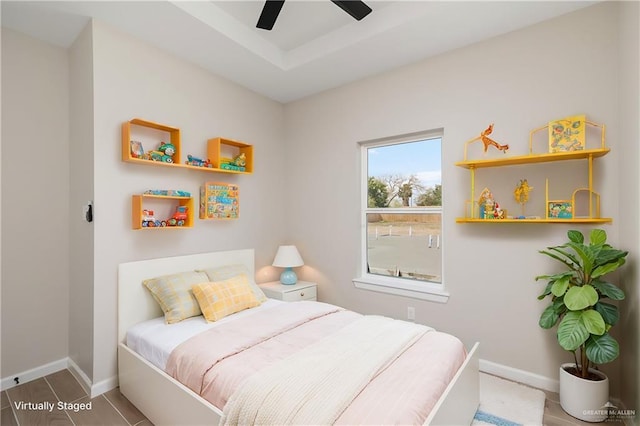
81, 183
35, 198
518, 81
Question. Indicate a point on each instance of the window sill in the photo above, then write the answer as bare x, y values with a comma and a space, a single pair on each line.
402, 287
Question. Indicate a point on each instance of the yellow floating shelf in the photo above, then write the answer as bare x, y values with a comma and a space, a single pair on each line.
533, 158
578, 220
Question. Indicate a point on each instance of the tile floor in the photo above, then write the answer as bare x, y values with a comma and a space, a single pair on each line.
108, 409
112, 408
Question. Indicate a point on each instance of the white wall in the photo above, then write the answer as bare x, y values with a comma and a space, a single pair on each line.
629, 15
519, 81
133, 79
35, 197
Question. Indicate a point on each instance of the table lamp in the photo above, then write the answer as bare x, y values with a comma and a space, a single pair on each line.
288, 257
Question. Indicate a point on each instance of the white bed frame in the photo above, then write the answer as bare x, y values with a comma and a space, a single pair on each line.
165, 401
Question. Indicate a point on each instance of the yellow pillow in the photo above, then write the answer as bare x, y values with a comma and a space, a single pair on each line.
173, 294
222, 298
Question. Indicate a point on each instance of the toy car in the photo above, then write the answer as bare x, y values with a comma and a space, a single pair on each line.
179, 217
148, 219
164, 153
198, 162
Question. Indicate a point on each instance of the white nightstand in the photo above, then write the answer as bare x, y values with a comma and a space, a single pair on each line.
302, 290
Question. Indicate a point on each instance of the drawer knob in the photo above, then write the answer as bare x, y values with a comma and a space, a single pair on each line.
302, 294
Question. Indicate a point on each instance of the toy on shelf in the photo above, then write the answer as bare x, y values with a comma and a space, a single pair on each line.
486, 141
164, 153
521, 194
168, 192
149, 220
489, 207
179, 217
198, 162
238, 163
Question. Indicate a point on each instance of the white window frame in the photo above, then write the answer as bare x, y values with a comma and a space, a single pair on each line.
385, 284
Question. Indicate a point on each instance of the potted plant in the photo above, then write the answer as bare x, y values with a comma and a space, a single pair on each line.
579, 308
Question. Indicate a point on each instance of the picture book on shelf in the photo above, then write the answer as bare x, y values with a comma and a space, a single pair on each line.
567, 134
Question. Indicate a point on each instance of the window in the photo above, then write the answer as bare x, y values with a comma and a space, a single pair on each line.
401, 194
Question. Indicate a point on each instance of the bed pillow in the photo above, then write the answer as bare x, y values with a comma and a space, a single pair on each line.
222, 273
174, 295
221, 298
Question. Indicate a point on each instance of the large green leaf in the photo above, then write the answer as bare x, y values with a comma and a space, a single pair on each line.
586, 255
575, 236
609, 312
560, 286
608, 255
597, 237
606, 268
593, 321
555, 277
549, 317
547, 291
602, 349
572, 332
580, 297
558, 305
609, 290
569, 260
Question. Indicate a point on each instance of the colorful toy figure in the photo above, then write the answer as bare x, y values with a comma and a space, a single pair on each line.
164, 153
521, 194
240, 160
148, 219
486, 141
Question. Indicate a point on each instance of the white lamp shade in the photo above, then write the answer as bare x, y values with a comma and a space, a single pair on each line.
287, 257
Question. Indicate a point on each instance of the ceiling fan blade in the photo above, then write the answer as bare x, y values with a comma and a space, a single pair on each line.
270, 12
355, 8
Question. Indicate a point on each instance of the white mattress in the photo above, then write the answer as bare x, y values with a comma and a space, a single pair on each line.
154, 339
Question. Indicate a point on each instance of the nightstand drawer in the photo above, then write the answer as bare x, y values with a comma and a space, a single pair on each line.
308, 293
302, 290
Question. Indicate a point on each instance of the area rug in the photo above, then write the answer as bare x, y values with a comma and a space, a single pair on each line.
506, 403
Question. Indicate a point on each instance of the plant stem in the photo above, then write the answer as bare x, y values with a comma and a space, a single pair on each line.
584, 362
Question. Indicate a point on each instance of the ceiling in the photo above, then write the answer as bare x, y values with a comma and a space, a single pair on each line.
314, 45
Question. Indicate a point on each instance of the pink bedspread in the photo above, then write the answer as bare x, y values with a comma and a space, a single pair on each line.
216, 362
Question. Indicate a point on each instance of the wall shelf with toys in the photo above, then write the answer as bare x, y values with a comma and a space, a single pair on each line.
223, 155
230, 156
567, 141
177, 207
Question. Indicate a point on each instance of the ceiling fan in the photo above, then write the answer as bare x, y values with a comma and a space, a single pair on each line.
271, 9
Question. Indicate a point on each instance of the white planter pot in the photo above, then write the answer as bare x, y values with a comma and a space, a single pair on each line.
584, 399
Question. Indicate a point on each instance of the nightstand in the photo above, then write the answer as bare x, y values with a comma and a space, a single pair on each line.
302, 290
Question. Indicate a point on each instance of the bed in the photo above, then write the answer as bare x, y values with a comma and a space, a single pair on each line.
164, 400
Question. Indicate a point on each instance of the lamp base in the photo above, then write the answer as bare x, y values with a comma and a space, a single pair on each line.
288, 277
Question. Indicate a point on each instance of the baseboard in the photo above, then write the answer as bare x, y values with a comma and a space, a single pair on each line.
55, 366
104, 386
520, 376
80, 376
34, 373
92, 389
